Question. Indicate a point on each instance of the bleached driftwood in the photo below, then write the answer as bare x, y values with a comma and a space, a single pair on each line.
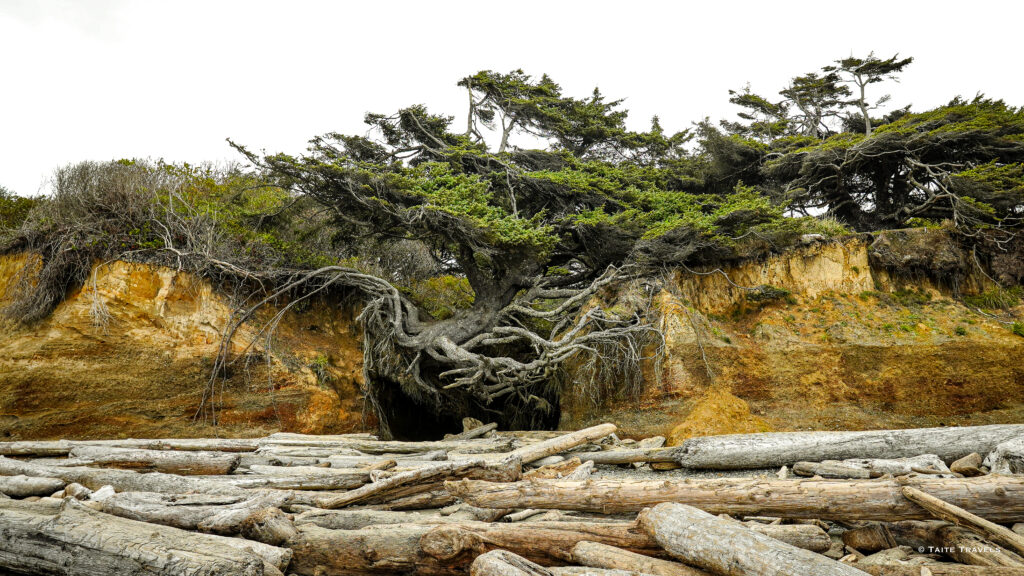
1007, 457
998, 498
533, 452
931, 536
598, 555
168, 461
950, 513
78, 540
422, 480
772, 450
22, 486
504, 563
726, 547
872, 467
63, 447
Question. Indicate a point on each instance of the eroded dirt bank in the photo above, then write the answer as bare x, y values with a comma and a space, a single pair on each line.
837, 341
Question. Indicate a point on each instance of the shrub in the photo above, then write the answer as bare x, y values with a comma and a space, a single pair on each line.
995, 298
13, 209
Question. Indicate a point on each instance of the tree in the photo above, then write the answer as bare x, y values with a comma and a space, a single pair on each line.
514, 99
861, 72
766, 120
959, 162
537, 235
819, 99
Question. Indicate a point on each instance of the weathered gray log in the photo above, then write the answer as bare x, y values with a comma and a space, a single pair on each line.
269, 526
368, 461
80, 541
218, 514
941, 569
449, 547
590, 571
950, 513
1007, 457
121, 480
771, 450
269, 459
423, 479
193, 463
872, 467
314, 481
628, 456
806, 536
21, 486
505, 563
931, 537
533, 452
998, 498
473, 432
63, 447
475, 445
261, 470
726, 547
356, 519
598, 555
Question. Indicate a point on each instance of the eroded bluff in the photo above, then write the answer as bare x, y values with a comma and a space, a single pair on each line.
831, 335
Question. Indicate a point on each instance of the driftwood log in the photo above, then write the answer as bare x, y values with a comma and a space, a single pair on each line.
725, 547
218, 514
940, 569
561, 444
998, 498
64, 447
598, 555
368, 446
771, 450
950, 513
1007, 457
872, 467
931, 537
504, 563
196, 463
423, 479
74, 539
21, 486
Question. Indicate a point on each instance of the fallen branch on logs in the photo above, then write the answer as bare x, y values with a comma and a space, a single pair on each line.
955, 514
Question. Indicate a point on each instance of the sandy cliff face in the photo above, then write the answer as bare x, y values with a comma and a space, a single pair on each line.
847, 345
143, 372
834, 337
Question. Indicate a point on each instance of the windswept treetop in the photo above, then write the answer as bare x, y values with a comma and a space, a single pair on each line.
536, 233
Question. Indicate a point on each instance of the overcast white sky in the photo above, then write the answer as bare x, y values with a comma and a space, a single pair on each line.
107, 79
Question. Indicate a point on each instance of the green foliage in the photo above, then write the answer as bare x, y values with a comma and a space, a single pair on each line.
960, 331
1018, 328
205, 219
442, 296
319, 366
995, 298
13, 210
767, 293
916, 296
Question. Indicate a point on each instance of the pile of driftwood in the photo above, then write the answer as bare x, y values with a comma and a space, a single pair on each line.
944, 501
